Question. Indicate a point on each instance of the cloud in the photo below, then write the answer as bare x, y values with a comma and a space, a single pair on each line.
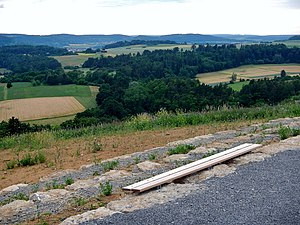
294, 4
114, 3
1, 6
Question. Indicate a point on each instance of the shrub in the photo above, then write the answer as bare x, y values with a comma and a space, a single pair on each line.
181, 149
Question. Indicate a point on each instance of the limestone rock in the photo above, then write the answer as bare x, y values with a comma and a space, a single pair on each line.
197, 151
176, 158
165, 194
217, 171
57, 175
147, 165
15, 208
51, 195
12, 188
254, 157
88, 216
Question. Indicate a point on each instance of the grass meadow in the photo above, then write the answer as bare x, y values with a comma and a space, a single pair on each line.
249, 72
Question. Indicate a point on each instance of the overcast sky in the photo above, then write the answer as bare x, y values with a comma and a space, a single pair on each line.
152, 17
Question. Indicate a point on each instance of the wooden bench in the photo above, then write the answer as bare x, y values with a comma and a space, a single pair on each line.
191, 168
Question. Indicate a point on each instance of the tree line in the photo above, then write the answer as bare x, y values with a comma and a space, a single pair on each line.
118, 99
202, 59
137, 42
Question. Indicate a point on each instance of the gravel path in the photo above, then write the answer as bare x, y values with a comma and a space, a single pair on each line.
266, 192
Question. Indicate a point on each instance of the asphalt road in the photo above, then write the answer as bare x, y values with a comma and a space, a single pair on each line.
265, 193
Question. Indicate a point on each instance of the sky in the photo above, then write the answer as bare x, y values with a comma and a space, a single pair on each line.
150, 17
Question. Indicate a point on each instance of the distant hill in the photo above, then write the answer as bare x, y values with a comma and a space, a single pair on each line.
254, 38
296, 37
98, 41
188, 38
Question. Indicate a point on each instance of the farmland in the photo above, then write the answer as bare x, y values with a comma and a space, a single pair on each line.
78, 60
56, 103
249, 72
134, 49
25, 90
37, 108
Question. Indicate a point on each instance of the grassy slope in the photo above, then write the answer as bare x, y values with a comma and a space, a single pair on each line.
249, 72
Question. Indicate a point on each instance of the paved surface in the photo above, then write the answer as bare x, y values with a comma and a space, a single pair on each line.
265, 192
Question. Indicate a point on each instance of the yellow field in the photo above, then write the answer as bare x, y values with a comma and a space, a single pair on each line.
39, 108
249, 72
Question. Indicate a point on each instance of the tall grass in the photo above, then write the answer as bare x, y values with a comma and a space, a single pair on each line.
161, 120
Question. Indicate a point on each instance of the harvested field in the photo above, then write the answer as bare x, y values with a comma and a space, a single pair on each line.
38, 108
249, 72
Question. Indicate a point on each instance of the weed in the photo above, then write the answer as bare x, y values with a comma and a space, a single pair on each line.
106, 189
77, 152
21, 196
152, 157
137, 160
209, 153
96, 160
29, 160
93, 207
181, 149
69, 181
80, 201
96, 146
110, 165
11, 164
286, 132
96, 173
56, 185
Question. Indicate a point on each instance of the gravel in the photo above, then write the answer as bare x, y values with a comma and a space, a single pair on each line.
266, 192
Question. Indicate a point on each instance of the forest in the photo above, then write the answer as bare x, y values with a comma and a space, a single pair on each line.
162, 79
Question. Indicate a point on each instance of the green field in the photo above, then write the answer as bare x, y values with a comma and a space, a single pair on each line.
1, 92
25, 90
74, 60
238, 85
249, 72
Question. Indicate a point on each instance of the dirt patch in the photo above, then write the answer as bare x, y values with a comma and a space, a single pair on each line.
75, 153
38, 108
